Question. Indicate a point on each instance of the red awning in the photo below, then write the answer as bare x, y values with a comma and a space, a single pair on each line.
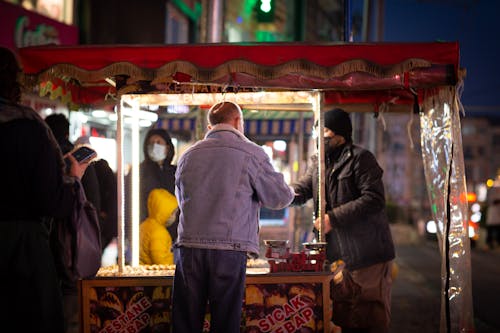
369, 73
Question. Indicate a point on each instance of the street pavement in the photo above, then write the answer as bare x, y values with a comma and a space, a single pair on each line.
415, 298
416, 290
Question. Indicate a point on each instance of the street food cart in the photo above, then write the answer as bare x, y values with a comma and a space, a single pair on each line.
414, 78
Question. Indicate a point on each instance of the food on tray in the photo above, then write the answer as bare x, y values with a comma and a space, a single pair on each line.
258, 266
141, 270
257, 263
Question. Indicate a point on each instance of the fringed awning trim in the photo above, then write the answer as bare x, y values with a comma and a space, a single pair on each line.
166, 72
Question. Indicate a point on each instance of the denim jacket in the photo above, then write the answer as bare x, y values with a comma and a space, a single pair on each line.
221, 183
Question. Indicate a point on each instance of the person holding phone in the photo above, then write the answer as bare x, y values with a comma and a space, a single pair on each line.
33, 188
108, 215
59, 125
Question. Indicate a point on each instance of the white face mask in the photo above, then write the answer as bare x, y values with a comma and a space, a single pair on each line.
157, 152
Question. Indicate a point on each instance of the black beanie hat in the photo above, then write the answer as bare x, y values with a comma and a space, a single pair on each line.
338, 121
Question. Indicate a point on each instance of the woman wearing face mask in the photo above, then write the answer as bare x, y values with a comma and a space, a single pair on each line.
156, 170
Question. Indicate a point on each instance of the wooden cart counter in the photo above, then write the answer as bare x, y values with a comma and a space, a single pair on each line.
280, 302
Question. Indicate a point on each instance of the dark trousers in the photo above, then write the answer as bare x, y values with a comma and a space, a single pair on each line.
213, 276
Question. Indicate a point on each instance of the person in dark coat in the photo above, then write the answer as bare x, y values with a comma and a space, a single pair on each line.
33, 188
355, 227
59, 125
108, 214
156, 171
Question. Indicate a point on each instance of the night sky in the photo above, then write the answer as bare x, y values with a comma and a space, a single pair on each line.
475, 24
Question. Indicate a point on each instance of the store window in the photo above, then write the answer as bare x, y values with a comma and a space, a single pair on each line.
59, 10
177, 27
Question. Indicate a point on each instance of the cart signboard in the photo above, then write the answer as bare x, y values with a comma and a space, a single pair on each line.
277, 303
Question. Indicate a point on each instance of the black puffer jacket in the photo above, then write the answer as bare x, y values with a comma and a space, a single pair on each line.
355, 203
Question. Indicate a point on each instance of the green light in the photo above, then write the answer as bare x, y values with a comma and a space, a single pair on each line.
265, 11
265, 6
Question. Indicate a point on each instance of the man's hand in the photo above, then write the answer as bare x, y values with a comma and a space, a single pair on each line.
327, 227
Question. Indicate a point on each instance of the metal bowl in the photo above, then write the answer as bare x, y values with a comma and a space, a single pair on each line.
315, 246
276, 243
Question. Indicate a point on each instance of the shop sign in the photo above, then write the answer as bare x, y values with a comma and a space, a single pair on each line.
287, 318
21, 28
283, 308
130, 309
41, 34
268, 308
174, 88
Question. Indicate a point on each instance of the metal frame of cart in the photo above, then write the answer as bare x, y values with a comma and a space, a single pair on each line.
418, 78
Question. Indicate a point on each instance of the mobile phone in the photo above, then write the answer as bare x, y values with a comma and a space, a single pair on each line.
84, 154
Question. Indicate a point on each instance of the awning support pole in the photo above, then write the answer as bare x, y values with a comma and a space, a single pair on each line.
120, 187
319, 115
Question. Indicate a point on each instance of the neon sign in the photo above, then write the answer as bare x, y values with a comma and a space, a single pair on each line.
42, 34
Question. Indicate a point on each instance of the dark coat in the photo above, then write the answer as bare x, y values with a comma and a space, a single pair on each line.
32, 188
108, 214
31, 170
153, 176
355, 204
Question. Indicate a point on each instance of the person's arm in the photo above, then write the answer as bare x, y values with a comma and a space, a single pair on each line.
303, 187
270, 186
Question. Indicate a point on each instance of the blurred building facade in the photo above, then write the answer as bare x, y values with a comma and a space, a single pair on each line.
481, 145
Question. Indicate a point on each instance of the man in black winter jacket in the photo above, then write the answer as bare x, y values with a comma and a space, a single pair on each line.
355, 227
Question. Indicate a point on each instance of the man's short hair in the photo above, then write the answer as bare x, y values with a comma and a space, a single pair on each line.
223, 112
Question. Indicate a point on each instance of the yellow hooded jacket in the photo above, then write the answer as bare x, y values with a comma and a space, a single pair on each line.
155, 240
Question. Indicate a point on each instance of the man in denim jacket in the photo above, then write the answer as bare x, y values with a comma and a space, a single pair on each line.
221, 182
